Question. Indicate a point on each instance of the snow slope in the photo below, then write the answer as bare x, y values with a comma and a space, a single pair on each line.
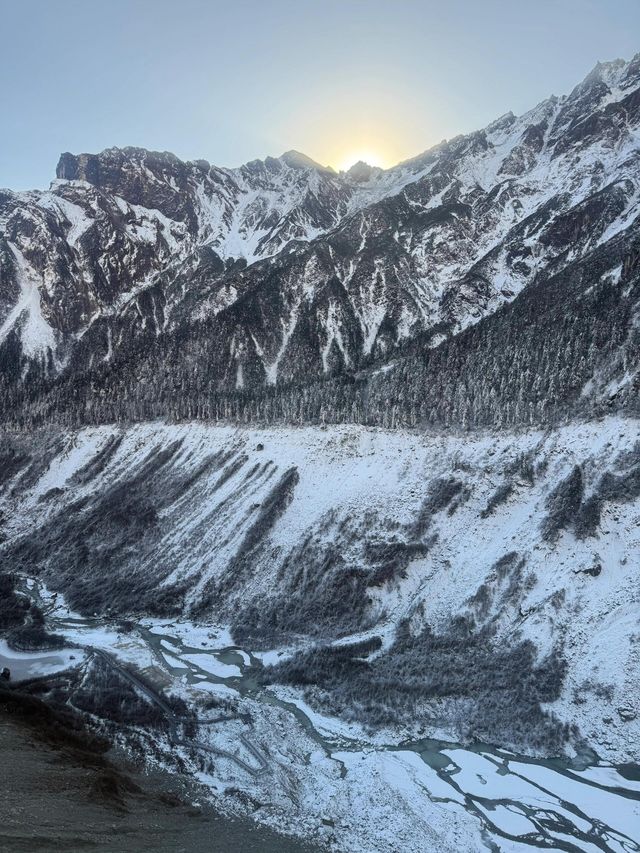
228, 520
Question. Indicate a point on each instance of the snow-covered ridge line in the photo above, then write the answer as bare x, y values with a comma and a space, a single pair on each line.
274, 275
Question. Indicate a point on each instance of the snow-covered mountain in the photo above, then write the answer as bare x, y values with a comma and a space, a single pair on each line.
353, 459
111, 223
284, 271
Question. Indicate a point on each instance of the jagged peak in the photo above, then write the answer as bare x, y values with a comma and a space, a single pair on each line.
86, 166
501, 123
297, 160
362, 172
289, 160
605, 70
611, 73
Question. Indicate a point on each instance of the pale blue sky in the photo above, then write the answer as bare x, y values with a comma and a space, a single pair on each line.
230, 81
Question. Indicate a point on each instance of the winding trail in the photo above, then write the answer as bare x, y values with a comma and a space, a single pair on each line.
175, 721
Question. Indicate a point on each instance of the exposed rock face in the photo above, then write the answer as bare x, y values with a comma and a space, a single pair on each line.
281, 271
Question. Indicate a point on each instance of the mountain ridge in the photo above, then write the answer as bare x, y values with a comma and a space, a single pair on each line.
303, 273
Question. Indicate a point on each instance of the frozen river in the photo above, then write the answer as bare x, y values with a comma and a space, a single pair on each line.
514, 802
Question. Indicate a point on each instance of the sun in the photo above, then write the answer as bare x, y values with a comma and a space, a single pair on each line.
364, 155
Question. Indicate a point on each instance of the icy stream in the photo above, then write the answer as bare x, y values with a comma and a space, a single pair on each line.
518, 802
550, 804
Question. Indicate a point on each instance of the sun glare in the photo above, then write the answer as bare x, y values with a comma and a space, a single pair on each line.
355, 157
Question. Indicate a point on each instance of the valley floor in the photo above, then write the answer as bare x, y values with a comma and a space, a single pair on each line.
302, 772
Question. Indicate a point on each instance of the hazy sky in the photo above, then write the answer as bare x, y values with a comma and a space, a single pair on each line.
231, 81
